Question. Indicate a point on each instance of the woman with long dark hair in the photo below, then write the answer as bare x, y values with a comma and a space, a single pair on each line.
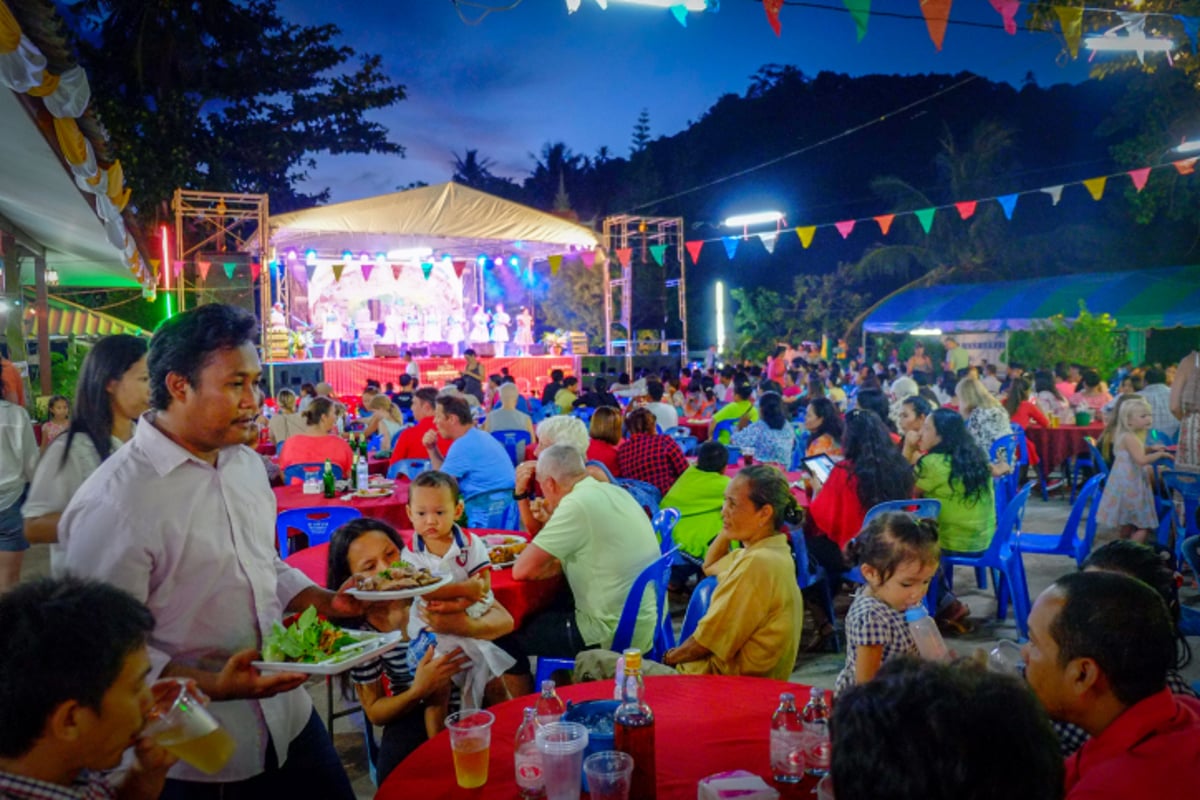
1047, 396
113, 390
824, 425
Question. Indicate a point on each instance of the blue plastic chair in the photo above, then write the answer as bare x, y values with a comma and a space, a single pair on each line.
735, 454
1186, 484
687, 444
1157, 437
296, 471
809, 574
1006, 446
647, 494
724, 426
664, 523
1070, 542
603, 467
514, 443
1003, 559
584, 413
678, 432
316, 524
372, 746
408, 467
697, 606
655, 574
1094, 460
495, 509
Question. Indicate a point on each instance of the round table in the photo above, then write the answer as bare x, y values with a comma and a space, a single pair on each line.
1057, 446
391, 509
696, 735
519, 598
698, 427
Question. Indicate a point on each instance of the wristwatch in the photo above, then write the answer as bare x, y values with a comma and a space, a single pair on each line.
524, 496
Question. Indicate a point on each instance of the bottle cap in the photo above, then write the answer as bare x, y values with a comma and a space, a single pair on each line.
787, 697
633, 658
915, 613
547, 686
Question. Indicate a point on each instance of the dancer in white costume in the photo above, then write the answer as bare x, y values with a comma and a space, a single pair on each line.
412, 326
393, 325
454, 330
479, 326
333, 331
500, 323
524, 337
433, 325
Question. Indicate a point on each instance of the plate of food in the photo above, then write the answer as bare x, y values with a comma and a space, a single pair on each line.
318, 647
503, 549
374, 491
380, 481
399, 581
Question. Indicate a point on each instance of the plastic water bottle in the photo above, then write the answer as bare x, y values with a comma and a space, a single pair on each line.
527, 759
787, 741
924, 631
550, 706
818, 748
363, 473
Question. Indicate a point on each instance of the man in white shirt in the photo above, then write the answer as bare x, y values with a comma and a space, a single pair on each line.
1158, 394
182, 517
18, 460
664, 413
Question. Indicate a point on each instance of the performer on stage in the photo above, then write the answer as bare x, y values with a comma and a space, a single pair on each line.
412, 326
433, 325
364, 326
454, 330
500, 323
524, 337
393, 326
278, 319
333, 332
479, 326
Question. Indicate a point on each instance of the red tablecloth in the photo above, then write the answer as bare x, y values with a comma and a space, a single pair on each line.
1056, 446
698, 427
390, 509
519, 598
696, 735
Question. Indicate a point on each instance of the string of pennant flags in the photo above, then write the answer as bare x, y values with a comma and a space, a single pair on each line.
964, 209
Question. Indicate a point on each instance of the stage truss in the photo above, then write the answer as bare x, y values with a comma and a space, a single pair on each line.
224, 222
640, 234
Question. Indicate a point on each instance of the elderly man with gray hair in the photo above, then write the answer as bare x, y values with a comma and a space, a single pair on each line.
600, 539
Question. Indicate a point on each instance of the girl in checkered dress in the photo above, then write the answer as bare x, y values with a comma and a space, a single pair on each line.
898, 556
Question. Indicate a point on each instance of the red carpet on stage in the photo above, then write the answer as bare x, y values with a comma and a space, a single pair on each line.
350, 375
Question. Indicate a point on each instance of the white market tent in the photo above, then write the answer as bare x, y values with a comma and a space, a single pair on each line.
448, 218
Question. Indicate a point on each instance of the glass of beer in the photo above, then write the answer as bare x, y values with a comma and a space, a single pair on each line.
470, 744
181, 724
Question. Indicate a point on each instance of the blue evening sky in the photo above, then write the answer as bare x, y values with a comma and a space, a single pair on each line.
534, 74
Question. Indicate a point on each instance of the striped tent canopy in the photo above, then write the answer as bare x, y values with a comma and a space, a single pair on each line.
1162, 297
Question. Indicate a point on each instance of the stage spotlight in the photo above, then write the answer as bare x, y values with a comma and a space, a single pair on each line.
347, 255
514, 262
498, 261
291, 255
310, 258
482, 260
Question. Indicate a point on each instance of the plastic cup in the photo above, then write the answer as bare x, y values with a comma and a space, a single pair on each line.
609, 773
180, 723
562, 745
312, 481
470, 744
1005, 658
747, 456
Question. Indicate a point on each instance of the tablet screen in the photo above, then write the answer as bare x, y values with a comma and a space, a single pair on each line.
819, 467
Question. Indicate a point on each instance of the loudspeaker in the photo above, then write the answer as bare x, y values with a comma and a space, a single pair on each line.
291, 374
441, 350
537, 349
387, 351
484, 349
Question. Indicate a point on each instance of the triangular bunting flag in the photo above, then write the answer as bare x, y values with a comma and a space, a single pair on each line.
178, 268
588, 257
367, 269
885, 222
1139, 177
1008, 202
426, 269
966, 208
1071, 20
555, 264
658, 251
680, 14
772, 8
925, 217
230, 267
693, 249
202, 268
310, 270
731, 246
397, 269
459, 268
1095, 186
1186, 166
1008, 10
768, 241
844, 227
337, 272
255, 269
937, 14
1191, 26
624, 255
155, 263
860, 12
806, 235
1055, 193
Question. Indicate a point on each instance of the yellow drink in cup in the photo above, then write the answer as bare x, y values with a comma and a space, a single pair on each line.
470, 744
180, 723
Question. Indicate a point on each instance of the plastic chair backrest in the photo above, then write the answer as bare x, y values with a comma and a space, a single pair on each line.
584, 413
408, 467
805, 577
697, 606
687, 444
664, 523
656, 574
1098, 462
1022, 449
1089, 495
317, 524
647, 494
735, 454
296, 471
495, 509
514, 443
924, 508
1008, 525
724, 426
678, 432
1155, 436
1188, 485
602, 466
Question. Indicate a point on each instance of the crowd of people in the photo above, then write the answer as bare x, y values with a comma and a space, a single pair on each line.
162, 520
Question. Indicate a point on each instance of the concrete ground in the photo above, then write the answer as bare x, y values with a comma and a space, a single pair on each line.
815, 669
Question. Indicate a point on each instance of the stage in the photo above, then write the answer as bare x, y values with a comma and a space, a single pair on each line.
350, 375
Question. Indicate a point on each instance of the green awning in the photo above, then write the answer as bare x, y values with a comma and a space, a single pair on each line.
1162, 297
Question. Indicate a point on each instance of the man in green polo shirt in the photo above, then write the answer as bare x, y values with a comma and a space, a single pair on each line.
742, 406
956, 357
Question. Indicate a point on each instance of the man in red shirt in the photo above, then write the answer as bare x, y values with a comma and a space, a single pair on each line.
1100, 646
409, 444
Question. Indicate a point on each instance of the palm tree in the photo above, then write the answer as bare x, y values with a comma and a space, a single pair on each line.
472, 170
